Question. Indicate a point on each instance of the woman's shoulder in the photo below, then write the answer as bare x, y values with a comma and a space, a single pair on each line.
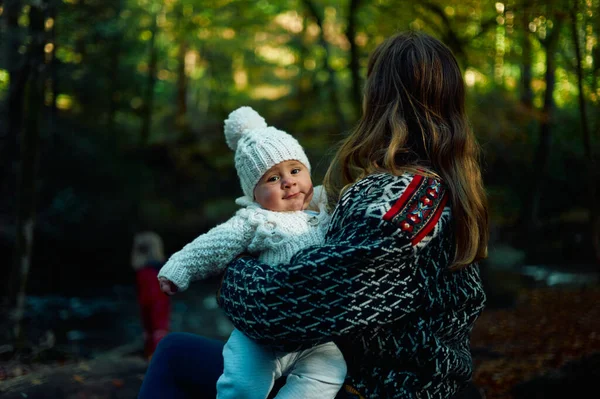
413, 203
391, 184
406, 191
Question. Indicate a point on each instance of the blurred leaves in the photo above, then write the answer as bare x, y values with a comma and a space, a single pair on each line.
213, 56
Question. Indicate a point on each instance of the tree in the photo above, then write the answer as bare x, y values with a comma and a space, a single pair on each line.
18, 72
542, 156
586, 139
332, 84
26, 187
354, 64
151, 79
526, 75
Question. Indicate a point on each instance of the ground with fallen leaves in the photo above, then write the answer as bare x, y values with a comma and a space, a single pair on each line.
547, 328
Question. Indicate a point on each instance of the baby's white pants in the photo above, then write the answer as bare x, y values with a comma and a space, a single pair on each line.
251, 370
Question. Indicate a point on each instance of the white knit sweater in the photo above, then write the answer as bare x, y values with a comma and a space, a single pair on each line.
273, 236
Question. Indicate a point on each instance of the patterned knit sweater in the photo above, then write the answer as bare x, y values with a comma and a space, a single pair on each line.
379, 287
273, 236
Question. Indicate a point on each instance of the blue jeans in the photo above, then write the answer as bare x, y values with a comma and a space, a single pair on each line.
188, 366
183, 366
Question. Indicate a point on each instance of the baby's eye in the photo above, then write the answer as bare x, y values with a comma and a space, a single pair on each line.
273, 178
295, 171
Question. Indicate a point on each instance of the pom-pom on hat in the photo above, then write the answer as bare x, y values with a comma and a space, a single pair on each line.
258, 147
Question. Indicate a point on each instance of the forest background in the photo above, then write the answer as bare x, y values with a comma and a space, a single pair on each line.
111, 119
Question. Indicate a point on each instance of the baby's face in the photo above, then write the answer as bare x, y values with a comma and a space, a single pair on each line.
287, 186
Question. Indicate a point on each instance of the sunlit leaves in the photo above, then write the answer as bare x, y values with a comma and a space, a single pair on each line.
4, 80
257, 52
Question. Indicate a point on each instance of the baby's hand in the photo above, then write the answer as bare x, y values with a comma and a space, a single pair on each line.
167, 286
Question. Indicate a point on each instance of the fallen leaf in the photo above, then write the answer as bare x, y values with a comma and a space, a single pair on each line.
84, 367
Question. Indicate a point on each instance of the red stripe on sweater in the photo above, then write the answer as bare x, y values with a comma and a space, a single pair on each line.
403, 200
432, 222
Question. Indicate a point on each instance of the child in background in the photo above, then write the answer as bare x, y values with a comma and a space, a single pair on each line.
281, 213
147, 257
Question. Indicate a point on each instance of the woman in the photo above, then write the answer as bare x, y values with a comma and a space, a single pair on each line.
396, 285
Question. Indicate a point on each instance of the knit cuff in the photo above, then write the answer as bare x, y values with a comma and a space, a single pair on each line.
176, 274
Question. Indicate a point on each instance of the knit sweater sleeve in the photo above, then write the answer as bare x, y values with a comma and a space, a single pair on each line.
209, 254
364, 276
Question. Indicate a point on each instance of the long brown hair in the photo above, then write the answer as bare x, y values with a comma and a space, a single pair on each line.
414, 120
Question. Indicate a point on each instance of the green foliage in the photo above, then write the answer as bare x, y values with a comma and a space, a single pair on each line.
97, 173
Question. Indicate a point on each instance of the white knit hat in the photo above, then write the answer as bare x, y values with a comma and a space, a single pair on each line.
258, 147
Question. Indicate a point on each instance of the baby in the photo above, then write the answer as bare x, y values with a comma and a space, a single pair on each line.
281, 213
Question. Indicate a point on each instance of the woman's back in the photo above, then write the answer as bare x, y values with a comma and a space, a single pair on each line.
432, 341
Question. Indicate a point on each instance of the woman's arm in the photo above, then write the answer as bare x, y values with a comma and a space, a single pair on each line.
209, 254
363, 276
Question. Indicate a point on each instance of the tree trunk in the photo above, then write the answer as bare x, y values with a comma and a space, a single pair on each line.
182, 80
203, 95
18, 72
331, 81
526, 75
587, 142
150, 83
115, 65
26, 187
182, 85
81, 15
542, 157
52, 72
356, 98
306, 85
